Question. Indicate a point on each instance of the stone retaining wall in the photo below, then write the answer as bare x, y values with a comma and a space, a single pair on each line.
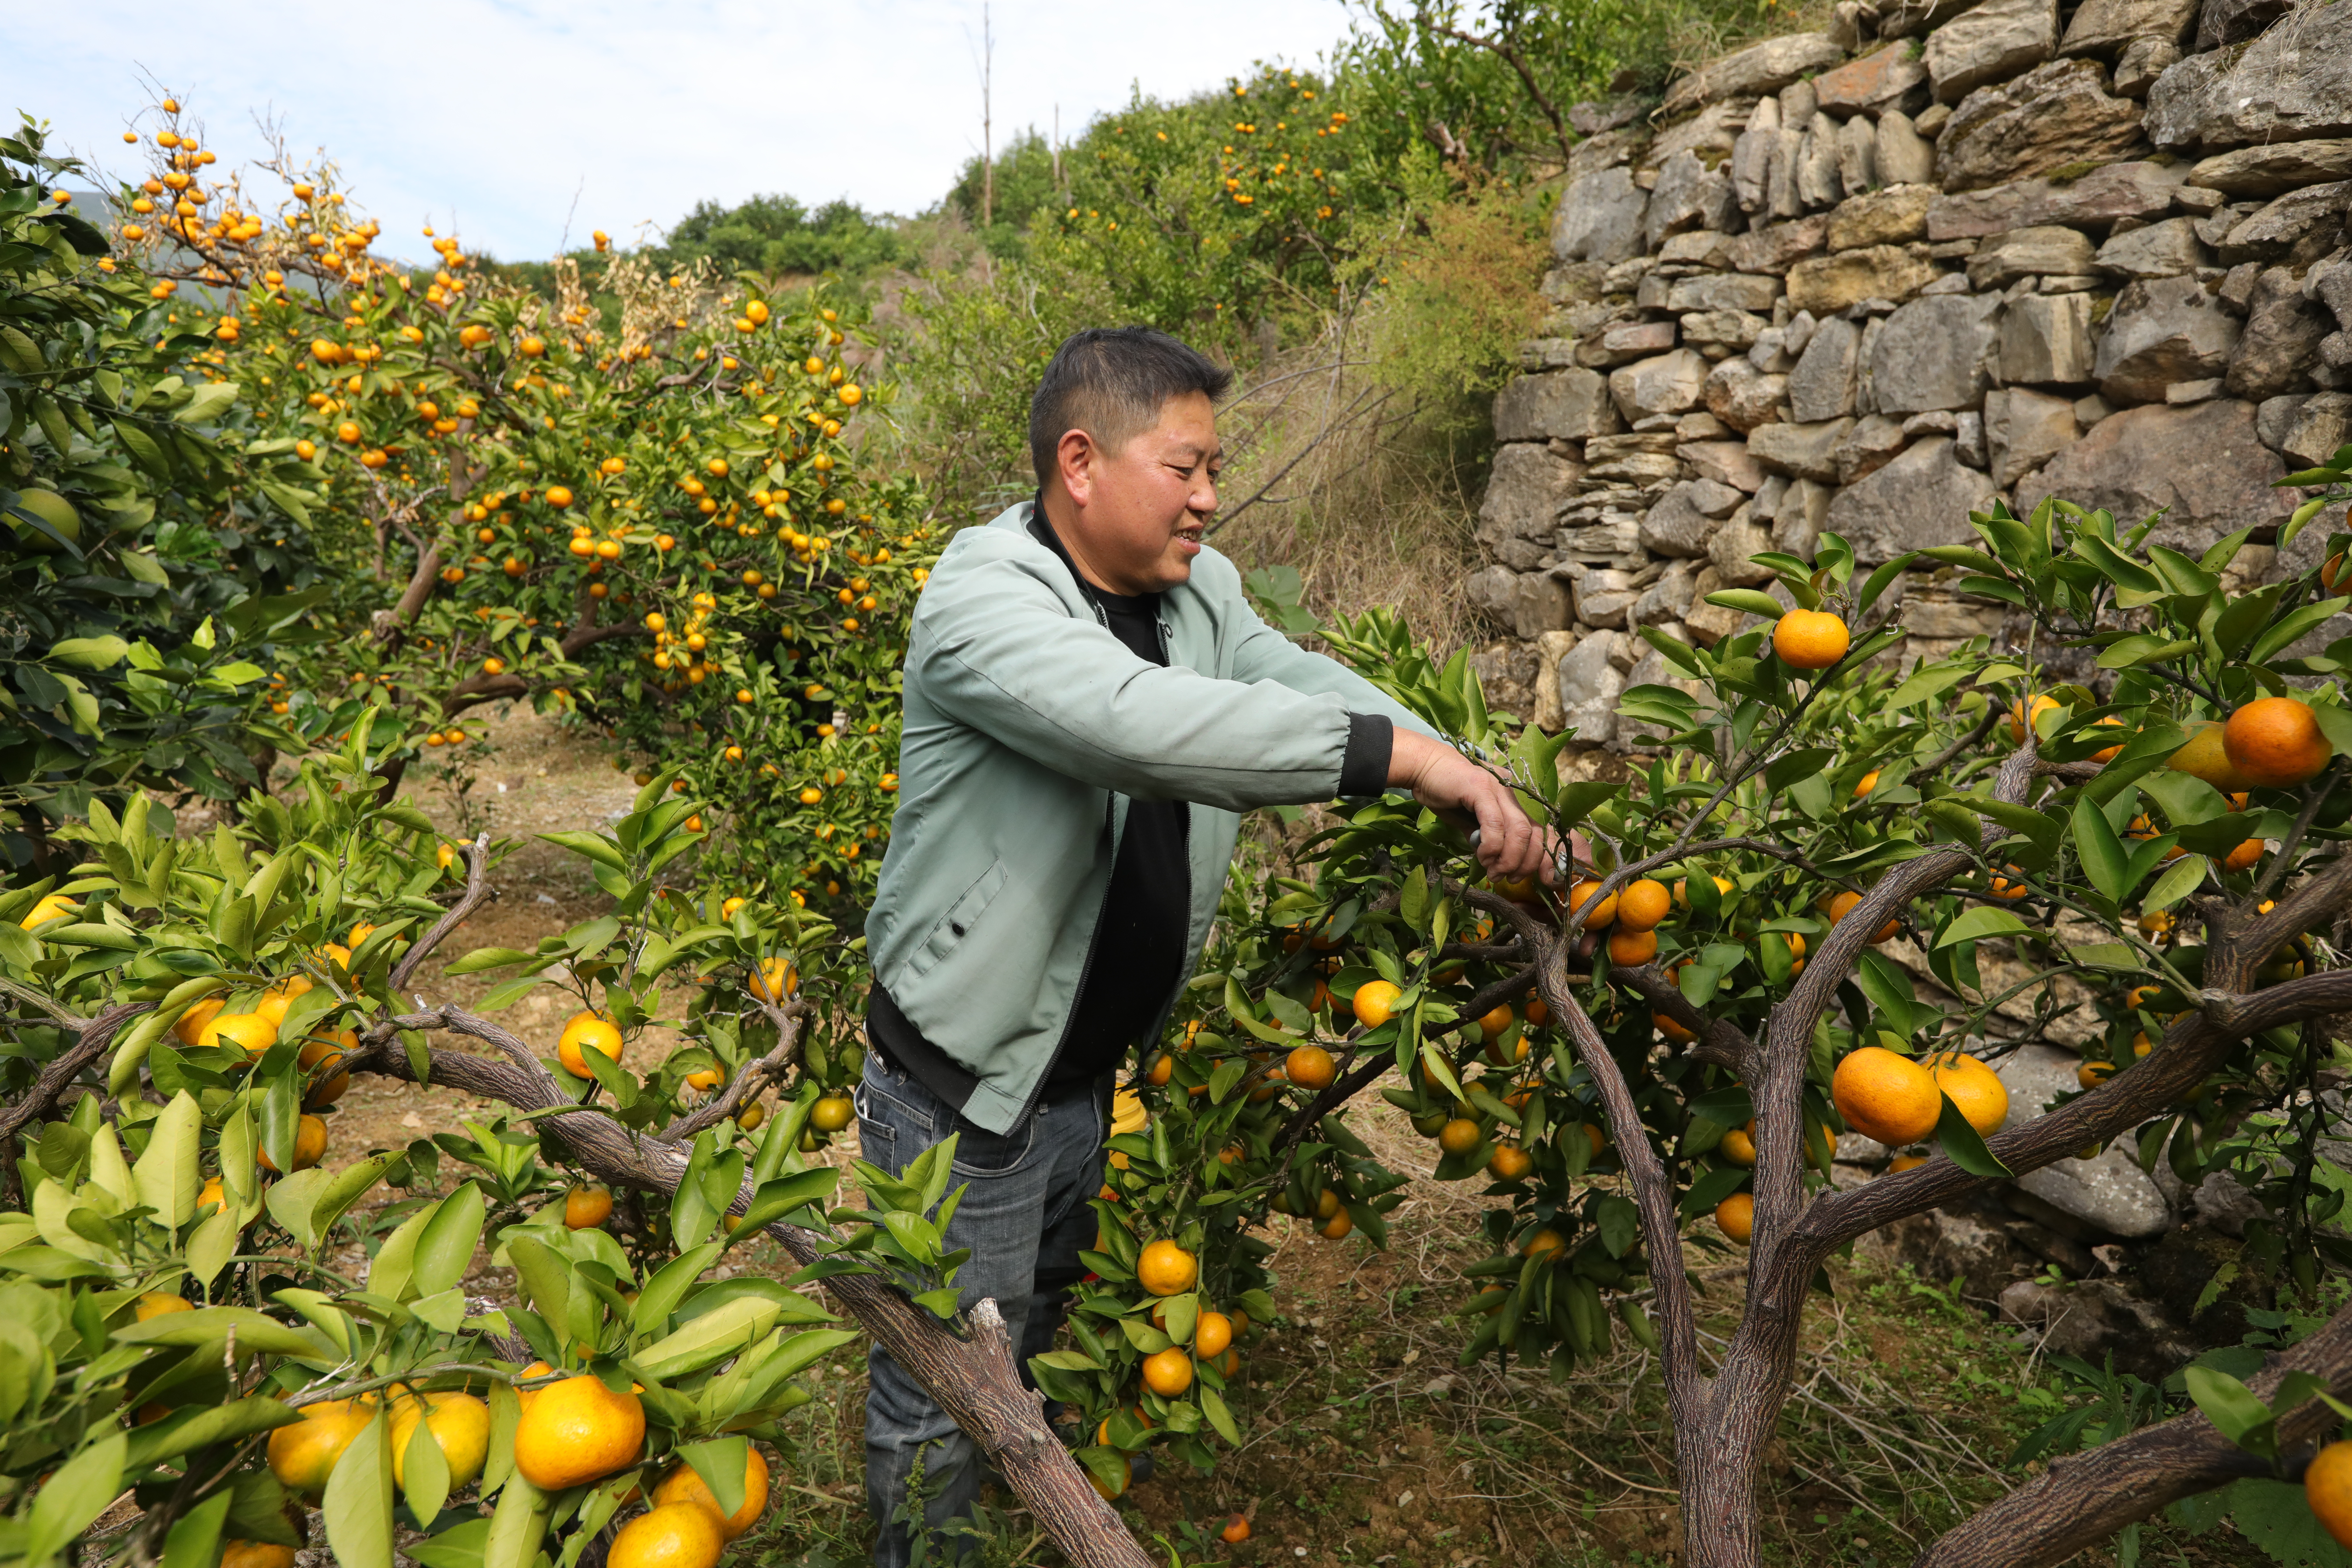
1868, 279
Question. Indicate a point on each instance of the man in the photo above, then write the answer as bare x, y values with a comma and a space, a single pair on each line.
1090, 705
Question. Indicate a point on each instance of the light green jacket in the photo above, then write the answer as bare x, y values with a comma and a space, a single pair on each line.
1029, 726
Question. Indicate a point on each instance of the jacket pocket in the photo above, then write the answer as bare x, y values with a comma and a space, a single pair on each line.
949, 931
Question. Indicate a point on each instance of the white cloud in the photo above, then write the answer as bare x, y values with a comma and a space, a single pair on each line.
496, 114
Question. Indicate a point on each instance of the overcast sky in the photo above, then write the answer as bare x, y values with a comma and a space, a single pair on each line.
498, 114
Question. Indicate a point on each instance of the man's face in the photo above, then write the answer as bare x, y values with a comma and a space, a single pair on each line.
1139, 511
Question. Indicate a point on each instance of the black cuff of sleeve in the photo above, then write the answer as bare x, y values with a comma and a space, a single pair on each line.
1365, 769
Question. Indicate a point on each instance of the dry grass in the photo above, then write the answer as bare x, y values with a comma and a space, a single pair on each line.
1336, 475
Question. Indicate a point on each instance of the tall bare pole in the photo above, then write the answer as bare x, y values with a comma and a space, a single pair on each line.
987, 139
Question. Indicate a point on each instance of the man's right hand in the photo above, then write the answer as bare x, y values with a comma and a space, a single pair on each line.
1510, 846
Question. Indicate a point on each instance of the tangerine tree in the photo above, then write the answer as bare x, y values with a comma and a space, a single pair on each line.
1836, 893
662, 525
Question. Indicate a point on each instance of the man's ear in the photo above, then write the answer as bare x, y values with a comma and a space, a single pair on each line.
1074, 461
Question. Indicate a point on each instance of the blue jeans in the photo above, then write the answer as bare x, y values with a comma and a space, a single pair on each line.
1025, 1219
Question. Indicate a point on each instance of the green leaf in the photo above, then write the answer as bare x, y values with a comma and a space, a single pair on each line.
1981, 923
721, 1463
1749, 600
209, 1325
424, 1474
2176, 884
2276, 1516
358, 1505
2101, 852
170, 1173
89, 653
75, 1495
447, 1243
2232, 1408
517, 1526
1965, 1148
483, 958
2293, 628
194, 1538
200, 1427
595, 846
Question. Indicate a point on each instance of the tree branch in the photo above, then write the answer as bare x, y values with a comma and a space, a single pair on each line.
478, 890
2084, 1499
974, 1379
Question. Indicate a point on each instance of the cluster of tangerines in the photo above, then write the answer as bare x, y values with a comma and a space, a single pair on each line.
573, 1429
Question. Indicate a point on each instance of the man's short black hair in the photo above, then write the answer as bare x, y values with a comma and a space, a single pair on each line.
1111, 383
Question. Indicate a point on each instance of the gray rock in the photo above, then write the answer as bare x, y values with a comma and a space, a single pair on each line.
1763, 67
1668, 600
2183, 391
1751, 158
1909, 18
1776, 247
2142, 65
2098, 1321
2138, 189
1818, 185
2204, 465
1590, 685
2057, 114
1592, 118
2033, 252
1797, 521
2308, 430
1668, 383
1932, 354
1599, 218
1622, 343
1729, 550
1710, 132
1870, 446
2291, 84
1563, 406
1723, 331
1821, 387
1942, 1247
1828, 284
2220, 23
2045, 341
1526, 602
1904, 156
2108, 27
1922, 498
1687, 195
1806, 451
1700, 248
2165, 249
1857, 149
2280, 342
2023, 430
1724, 462
1686, 516
2162, 330
1723, 291
1870, 86
1995, 41
1743, 396
2315, 213
2110, 1192
1606, 151
1600, 597
1526, 493
1895, 216
2276, 169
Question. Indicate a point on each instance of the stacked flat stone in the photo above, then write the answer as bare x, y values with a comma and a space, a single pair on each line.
1869, 280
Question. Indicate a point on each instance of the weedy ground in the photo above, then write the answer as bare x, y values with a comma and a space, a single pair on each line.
1366, 1444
